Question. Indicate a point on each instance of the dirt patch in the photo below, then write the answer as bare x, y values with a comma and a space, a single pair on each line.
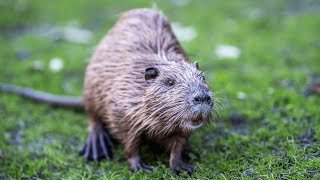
313, 86
297, 6
15, 136
308, 138
238, 122
250, 172
1, 154
238, 125
38, 146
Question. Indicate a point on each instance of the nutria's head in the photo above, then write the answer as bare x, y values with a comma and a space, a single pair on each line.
178, 96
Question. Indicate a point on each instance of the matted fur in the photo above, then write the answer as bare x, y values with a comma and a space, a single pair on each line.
117, 94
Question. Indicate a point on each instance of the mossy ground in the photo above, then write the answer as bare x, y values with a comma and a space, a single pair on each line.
272, 132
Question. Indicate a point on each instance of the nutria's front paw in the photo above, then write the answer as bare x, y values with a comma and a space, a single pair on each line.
138, 164
181, 166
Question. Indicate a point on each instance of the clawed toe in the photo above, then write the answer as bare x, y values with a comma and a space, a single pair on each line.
146, 168
187, 167
97, 146
142, 167
181, 166
136, 165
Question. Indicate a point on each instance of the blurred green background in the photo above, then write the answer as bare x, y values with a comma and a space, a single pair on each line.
258, 56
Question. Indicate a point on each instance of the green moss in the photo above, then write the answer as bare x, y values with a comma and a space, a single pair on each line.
277, 137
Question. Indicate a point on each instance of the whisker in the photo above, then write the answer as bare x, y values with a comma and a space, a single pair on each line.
218, 92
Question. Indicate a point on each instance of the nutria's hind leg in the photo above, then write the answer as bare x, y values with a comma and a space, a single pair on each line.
98, 144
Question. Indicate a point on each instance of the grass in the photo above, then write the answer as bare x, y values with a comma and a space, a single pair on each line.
272, 133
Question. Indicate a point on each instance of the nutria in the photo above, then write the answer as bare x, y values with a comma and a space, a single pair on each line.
140, 85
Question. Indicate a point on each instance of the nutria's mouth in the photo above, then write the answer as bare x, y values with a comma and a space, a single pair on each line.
197, 120
195, 123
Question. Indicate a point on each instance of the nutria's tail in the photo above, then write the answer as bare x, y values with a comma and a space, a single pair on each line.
42, 97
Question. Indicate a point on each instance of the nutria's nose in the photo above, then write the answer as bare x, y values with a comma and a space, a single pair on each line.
202, 98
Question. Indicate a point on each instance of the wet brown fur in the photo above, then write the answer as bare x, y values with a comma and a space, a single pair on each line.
117, 96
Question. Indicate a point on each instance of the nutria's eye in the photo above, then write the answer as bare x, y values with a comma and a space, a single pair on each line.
150, 74
170, 82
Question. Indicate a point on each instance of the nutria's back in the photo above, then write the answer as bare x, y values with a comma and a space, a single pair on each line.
146, 31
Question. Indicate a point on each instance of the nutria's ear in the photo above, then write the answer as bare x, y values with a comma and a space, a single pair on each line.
150, 74
196, 65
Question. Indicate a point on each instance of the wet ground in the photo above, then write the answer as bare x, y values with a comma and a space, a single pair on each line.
261, 59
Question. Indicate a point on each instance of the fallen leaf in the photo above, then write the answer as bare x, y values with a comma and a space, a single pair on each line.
227, 52
183, 33
56, 64
241, 95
